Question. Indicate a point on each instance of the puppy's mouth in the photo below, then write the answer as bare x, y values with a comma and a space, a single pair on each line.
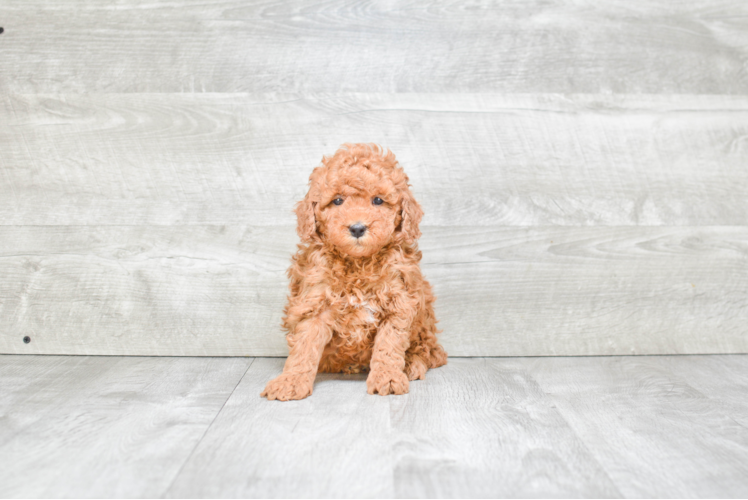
360, 246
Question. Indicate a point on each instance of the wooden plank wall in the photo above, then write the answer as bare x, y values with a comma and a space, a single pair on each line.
583, 167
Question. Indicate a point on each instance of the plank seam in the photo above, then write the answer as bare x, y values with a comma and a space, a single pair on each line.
551, 399
171, 484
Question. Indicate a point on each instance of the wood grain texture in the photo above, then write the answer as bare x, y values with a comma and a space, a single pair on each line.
336, 443
103, 426
477, 429
708, 378
168, 144
655, 426
449, 437
581, 291
412, 46
653, 433
489, 160
220, 290
137, 290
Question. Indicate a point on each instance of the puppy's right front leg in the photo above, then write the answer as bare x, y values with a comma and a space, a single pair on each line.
307, 343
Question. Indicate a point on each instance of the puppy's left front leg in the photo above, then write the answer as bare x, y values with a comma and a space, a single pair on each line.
307, 343
387, 365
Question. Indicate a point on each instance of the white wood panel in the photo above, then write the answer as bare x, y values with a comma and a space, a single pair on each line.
85, 427
206, 118
580, 291
652, 432
412, 46
136, 290
489, 160
448, 437
205, 290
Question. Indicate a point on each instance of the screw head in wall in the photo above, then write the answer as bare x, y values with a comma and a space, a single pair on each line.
26, 339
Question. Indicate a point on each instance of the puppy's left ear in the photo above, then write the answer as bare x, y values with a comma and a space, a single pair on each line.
411, 214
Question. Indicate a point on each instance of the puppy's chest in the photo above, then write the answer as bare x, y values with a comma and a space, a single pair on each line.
361, 301
360, 309
357, 321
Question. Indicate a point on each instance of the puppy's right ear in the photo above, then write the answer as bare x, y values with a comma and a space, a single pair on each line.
306, 221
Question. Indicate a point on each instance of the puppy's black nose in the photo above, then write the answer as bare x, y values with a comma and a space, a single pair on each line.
357, 230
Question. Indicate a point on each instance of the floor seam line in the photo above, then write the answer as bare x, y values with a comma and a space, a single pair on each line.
205, 433
580, 439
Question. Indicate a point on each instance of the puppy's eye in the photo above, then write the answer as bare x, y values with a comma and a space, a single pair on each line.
377, 201
337, 201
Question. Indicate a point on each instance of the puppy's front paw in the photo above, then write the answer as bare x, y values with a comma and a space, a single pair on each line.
287, 387
416, 368
385, 382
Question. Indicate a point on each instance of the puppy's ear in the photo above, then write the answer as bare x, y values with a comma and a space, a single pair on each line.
411, 214
306, 221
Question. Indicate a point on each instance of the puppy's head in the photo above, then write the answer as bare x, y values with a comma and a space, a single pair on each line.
358, 202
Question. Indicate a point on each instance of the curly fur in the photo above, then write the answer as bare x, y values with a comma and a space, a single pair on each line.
358, 304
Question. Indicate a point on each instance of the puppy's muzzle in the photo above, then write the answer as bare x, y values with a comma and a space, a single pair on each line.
357, 230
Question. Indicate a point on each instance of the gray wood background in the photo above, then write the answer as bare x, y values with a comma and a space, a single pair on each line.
583, 167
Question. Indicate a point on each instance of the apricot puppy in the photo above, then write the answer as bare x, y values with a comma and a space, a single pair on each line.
357, 298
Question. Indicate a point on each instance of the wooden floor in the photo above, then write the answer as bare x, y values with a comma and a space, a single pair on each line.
655, 426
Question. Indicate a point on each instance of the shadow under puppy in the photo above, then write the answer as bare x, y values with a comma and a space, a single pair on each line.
357, 298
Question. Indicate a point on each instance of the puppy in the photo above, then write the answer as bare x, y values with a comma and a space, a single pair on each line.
357, 298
